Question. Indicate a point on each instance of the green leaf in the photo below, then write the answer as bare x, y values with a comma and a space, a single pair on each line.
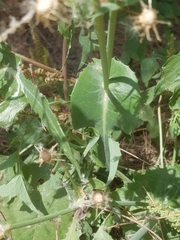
6, 176
91, 143
105, 111
171, 75
95, 183
160, 88
110, 6
168, 10
175, 99
153, 128
149, 66
159, 189
63, 29
9, 59
1, 56
13, 103
40, 105
117, 109
101, 233
174, 125
5, 81
114, 159
16, 187
128, 3
109, 154
73, 234
9, 161
160, 183
49, 197
146, 113
143, 231
135, 49
147, 95
67, 31
122, 176
86, 44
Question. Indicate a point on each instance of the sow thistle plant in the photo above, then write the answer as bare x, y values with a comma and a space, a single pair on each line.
105, 99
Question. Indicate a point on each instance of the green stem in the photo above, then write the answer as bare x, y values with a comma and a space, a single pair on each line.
99, 26
64, 69
55, 168
174, 151
79, 195
161, 149
76, 189
40, 219
123, 177
110, 37
72, 136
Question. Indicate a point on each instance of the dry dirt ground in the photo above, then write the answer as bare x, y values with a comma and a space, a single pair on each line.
141, 151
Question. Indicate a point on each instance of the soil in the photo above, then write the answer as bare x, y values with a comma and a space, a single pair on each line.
142, 151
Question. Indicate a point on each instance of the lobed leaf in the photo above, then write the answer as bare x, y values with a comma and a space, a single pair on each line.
14, 100
9, 161
40, 105
16, 187
48, 197
149, 66
170, 75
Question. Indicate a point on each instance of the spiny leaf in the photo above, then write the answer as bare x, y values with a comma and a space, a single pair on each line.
9, 161
40, 105
14, 101
16, 187
170, 75
49, 198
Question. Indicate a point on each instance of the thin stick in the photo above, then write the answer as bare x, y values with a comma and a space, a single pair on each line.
37, 64
134, 156
142, 225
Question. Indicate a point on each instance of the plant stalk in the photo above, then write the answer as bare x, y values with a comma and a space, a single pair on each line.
64, 69
110, 36
40, 219
174, 151
161, 149
99, 26
64, 73
78, 193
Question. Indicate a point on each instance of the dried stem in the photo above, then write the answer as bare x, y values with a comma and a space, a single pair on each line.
37, 64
